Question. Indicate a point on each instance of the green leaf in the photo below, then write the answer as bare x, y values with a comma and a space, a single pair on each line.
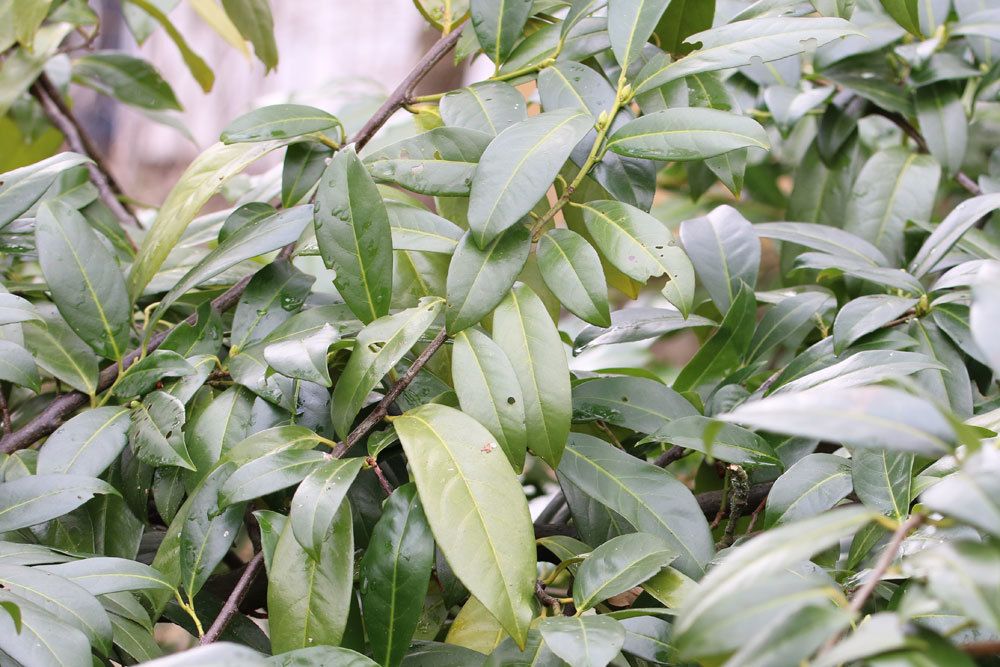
142, 376
443, 14
478, 279
65, 600
304, 163
84, 279
970, 494
762, 557
963, 575
475, 629
862, 368
217, 426
636, 403
271, 298
952, 228
317, 501
741, 43
518, 167
618, 565
785, 319
572, 269
941, 115
483, 529
727, 442
320, 656
724, 349
268, 474
823, 238
278, 121
876, 275
352, 228
635, 324
14, 309
208, 530
21, 188
253, 19
415, 228
649, 498
100, 575
261, 234
584, 641
488, 391
646, 637
905, 13
687, 134
499, 24
127, 79
155, 431
984, 314
440, 162
526, 334
489, 106
18, 367
883, 480
29, 641
876, 417
379, 347
811, 486
59, 351
881, 206
725, 252
630, 23
201, 72
86, 444
395, 571
304, 358
641, 247
308, 599
865, 315
31, 500
199, 183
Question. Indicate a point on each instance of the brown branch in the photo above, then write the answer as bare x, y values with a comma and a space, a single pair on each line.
544, 597
382, 409
8, 426
885, 560
380, 475
49, 419
982, 649
62, 117
232, 604
675, 453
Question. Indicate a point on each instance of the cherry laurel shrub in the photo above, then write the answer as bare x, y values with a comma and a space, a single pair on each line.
674, 341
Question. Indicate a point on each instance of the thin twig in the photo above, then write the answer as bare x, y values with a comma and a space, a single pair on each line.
756, 514
8, 427
675, 453
982, 649
885, 560
232, 604
380, 475
738, 497
382, 409
62, 407
62, 117
544, 597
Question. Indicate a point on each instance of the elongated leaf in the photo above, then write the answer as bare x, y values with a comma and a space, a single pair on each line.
100, 576
518, 167
499, 24
304, 163
785, 319
478, 280
883, 480
268, 474
740, 43
874, 274
17, 366
649, 498
866, 314
199, 183
823, 238
958, 222
877, 417
984, 315
415, 228
317, 501
618, 565
905, 13
440, 162
208, 530
725, 347
490, 106
14, 309
28, 639
475, 629
21, 188
630, 23
634, 324
641, 247
131, 80
304, 358
727, 442
30, 500
526, 334
862, 368
253, 19
572, 269
811, 486
308, 599
587, 641
489, 391
687, 134
155, 431
970, 494
201, 72
379, 347
84, 279
725, 252
394, 574
59, 351
880, 209
483, 528
86, 444
352, 228
942, 121
639, 404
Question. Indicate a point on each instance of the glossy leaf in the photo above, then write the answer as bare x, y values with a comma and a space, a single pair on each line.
725, 253
439, 162
86, 444
479, 279
687, 134
572, 270
618, 565
588, 641
499, 24
30, 500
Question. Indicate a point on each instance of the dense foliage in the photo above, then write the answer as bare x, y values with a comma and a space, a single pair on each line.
309, 425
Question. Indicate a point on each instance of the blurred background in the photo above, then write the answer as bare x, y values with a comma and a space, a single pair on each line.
333, 54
